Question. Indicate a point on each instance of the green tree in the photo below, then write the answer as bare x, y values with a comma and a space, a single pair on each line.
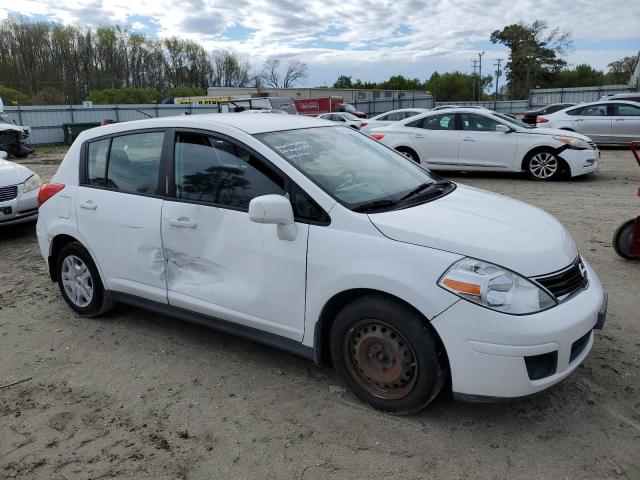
581, 76
343, 81
186, 92
126, 95
535, 54
620, 71
11, 96
457, 86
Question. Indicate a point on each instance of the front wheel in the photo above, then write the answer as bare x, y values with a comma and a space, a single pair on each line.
386, 355
543, 165
410, 154
623, 240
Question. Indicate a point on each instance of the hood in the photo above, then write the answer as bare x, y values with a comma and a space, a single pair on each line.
557, 131
18, 128
12, 173
486, 226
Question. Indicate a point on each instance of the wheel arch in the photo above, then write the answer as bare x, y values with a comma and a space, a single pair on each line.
335, 304
406, 148
544, 148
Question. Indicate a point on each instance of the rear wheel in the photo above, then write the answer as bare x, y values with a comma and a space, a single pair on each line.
409, 153
80, 282
386, 355
623, 240
543, 165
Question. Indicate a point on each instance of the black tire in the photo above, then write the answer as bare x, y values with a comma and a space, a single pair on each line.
378, 331
623, 240
540, 163
409, 153
99, 302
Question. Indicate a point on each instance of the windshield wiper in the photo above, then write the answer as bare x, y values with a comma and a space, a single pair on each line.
426, 188
374, 205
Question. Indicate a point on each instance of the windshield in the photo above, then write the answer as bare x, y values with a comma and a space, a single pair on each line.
513, 121
354, 169
349, 116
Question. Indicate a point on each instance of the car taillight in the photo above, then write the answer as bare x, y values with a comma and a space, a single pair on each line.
377, 136
541, 120
362, 124
48, 190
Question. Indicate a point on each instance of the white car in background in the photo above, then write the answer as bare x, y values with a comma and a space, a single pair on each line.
18, 193
474, 139
608, 121
345, 118
393, 116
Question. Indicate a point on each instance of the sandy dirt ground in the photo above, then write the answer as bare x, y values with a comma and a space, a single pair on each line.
138, 395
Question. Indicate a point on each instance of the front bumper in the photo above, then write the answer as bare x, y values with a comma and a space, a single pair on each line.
581, 162
487, 349
23, 208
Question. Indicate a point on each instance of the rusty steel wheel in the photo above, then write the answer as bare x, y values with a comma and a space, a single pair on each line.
380, 359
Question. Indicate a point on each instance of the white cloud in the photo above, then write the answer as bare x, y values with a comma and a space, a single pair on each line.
439, 34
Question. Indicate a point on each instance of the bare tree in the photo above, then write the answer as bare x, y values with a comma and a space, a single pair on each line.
296, 71
271, 72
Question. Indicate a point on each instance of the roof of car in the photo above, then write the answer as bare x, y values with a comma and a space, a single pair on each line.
251, 124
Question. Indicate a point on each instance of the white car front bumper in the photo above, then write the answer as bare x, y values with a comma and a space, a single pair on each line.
22, 208
581, 162
487, 349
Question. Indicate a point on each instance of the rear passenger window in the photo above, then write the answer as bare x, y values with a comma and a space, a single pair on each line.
134, 162
215, 171
97, 162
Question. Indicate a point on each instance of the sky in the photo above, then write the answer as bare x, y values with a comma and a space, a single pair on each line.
365, 39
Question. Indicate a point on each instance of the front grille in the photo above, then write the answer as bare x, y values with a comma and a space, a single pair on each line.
8, 193
579, 345
566, 282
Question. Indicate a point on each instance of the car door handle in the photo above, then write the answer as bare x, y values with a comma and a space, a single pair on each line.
468, 139
419, 136
579, 119
182, 222
88, 205
619, 119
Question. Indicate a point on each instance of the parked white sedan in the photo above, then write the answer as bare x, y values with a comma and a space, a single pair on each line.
610, 121
473, 139
18, 192
393, 116
345, 118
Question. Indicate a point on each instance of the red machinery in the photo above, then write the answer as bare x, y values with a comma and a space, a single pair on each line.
626, 240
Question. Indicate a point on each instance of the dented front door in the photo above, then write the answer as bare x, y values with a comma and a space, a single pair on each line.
221, 264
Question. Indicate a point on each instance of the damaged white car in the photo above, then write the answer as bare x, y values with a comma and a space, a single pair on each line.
18, 193
312, 237
14, 138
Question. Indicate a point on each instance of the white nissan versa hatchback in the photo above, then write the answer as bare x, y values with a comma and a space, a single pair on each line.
317, 239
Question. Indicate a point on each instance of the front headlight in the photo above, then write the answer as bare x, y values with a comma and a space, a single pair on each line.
495, 287
31, 183
573, 142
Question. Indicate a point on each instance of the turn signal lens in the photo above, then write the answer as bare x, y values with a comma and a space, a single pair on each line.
377, 136
48, 190
463, 287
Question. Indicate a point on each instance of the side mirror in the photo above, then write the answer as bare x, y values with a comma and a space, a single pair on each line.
503, 128
3, 155
274, 209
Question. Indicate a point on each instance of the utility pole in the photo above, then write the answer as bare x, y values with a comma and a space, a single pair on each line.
474, 65
498, 73
480, 73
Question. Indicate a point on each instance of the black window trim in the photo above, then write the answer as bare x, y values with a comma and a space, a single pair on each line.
84, 156
169, 175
